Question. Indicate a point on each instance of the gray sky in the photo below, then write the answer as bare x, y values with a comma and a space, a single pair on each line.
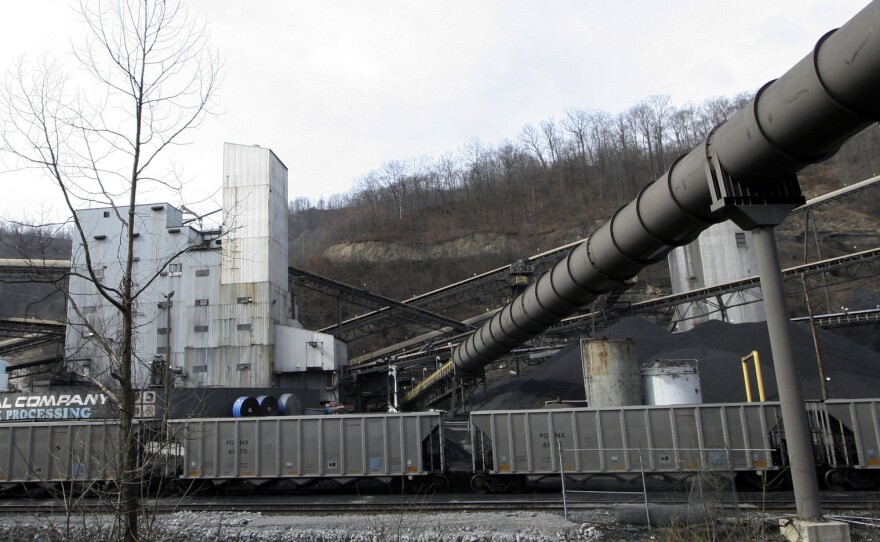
336, 88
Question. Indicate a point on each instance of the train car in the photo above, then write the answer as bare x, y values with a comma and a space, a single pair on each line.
512, 447
847, 441
47, 454
306, 449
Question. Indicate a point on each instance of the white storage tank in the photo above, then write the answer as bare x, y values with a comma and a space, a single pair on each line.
671, 382
611, 374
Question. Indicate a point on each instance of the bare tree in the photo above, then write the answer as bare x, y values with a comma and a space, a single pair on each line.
530, 137
155, 78
661, 109
393, 179
577, 122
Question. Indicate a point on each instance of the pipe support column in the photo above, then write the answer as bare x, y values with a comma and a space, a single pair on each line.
797, 430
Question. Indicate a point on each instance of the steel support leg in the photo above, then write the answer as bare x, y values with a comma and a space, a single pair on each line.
797, 431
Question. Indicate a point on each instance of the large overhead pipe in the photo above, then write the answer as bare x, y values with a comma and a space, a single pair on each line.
801, 118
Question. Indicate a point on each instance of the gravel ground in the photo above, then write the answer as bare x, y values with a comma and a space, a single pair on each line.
592, 525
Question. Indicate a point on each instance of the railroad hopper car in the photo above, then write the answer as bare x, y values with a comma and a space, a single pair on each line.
747, 439
506, 449
512, 447
305, 449
846, 435
57, 452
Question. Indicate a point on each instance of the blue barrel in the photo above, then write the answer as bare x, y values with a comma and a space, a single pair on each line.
245, 406
289, 405
268, 405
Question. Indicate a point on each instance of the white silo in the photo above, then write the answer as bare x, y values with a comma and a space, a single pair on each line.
721, 254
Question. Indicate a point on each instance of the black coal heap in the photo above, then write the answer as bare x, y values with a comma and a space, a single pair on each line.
853, 370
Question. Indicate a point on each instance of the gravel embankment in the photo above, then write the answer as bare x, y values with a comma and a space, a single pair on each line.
585, 526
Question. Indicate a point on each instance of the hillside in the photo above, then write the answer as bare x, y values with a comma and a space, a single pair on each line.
412, 226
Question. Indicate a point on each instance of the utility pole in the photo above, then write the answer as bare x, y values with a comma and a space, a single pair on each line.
168, 372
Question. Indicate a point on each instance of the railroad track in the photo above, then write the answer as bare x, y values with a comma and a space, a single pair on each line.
390, 504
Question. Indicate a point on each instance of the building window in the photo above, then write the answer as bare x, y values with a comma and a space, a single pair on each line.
99, 273
163, 331
203, 272
200, 368
740, 239
175, 269
106, 214
201, 302
161, 350
243, 327
200, 329
243, 300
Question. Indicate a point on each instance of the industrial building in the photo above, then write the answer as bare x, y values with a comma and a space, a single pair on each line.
214, 308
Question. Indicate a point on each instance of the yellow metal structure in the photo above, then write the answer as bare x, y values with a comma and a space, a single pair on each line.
759, 376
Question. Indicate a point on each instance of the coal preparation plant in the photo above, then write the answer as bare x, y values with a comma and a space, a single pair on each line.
224, 366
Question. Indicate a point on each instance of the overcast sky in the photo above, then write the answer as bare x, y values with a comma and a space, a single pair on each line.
337, 88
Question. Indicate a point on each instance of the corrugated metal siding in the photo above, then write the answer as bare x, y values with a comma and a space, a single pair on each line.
310, 446
297, 350
246, 260
46, 452
668, 439
253, 265
255, 203
245, 367
246, 194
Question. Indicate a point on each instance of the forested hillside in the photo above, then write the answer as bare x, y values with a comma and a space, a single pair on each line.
414, 224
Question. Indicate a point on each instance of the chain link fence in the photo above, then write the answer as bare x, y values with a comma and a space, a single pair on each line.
661, 486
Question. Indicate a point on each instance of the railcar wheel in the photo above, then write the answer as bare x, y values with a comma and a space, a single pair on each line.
480, 484
835, 480
439, 483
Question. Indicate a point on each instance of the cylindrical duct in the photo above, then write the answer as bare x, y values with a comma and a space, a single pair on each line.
611, 374
802, 117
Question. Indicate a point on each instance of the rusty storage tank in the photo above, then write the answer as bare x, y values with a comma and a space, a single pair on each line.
611, 375
671, 382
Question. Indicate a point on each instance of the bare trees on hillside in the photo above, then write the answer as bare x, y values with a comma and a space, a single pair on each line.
586, 160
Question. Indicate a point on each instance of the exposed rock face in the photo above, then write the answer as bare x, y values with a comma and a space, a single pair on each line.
375, 251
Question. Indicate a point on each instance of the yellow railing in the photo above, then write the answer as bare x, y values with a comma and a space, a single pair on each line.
759, 376
432, 379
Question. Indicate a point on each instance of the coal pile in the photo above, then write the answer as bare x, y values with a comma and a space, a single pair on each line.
852, 370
